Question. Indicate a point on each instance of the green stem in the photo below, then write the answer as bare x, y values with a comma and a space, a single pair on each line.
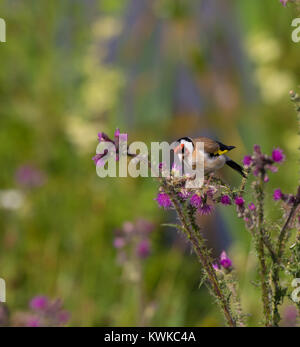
277, 264
266, 290
203, 256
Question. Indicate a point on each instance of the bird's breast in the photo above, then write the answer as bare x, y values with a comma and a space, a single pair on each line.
211, 164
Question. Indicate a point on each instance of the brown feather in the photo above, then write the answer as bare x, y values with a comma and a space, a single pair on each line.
210, 146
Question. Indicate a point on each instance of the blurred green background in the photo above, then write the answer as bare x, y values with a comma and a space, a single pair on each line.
158, 70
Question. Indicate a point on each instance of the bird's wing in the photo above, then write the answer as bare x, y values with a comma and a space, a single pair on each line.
210, 146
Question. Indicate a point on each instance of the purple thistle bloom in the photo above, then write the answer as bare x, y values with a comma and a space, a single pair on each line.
205, 209
225, 261
266, 179
239, 201
184, 194
29, 176
119, 242
163, 200
144, 226
284, 2
104, 137
117, 133
257, 149
33, 322
63, 317
98, 159
252, 207
225, 200
247, 160
277, 194
39, 303
143, 249
277, 155
196, 201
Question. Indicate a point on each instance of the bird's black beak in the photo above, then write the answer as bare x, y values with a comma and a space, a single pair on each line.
229, 148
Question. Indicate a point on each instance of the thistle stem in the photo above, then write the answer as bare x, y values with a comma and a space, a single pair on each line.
266, 290
202, 253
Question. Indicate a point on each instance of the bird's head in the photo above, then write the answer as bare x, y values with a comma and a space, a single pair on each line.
185, 145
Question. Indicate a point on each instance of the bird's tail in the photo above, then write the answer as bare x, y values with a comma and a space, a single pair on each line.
235, 166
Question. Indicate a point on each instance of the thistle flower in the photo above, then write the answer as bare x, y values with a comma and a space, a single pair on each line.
284, 2
144, 227
39, 302
225, 261
29, 176
277, 195
225, 200
247, 161
163, 200
184, 194
277, 155
143, 249
239, 201
33, 322
118, 137
128, 227
252, 207
119, 242
257, 149
205, 209
46, 313
266, 179
196, 200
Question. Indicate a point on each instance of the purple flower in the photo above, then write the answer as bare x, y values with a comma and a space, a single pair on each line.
98, 159
225, 261
144, 226
196, 201
247, 160
39, 302
257, 149
118, 137
119, 242
225, 200
290, 316
272, 168
239, 201
46, 312
33, 322
205, 209
128, 227
117, 133
184, 194
284, 2
277, 194
277, 155
63, 317
29, 176
252, 207
266, 178
163, 200
143, 249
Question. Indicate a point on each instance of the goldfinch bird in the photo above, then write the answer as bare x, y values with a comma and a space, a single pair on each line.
214, 154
